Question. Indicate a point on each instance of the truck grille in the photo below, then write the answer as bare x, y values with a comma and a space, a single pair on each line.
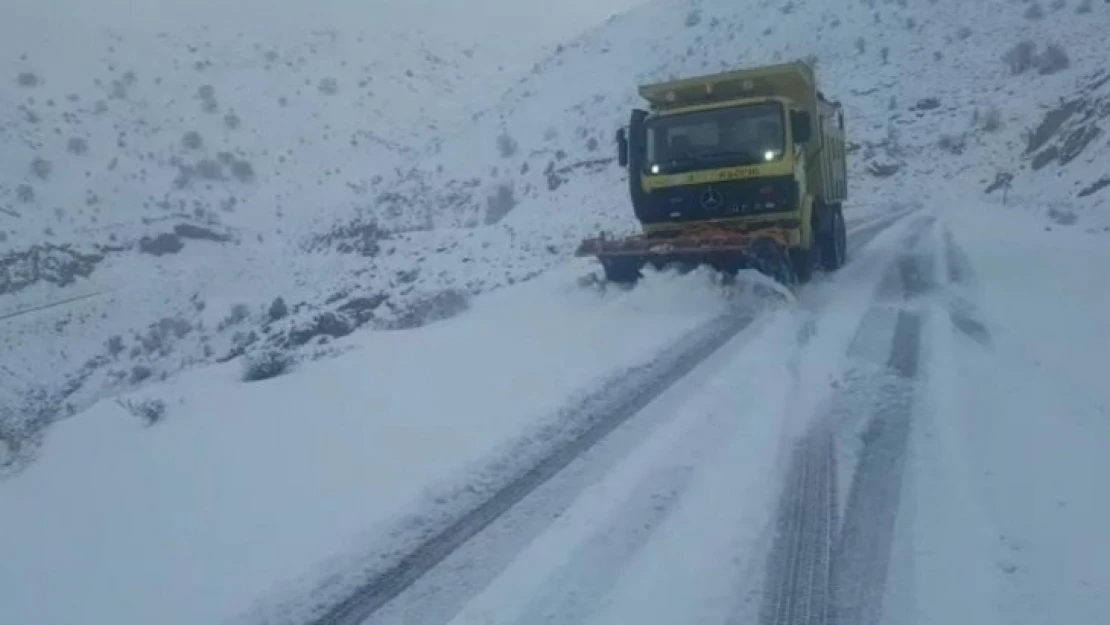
738, 198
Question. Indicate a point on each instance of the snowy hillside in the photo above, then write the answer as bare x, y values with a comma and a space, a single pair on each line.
329, 196
163, 168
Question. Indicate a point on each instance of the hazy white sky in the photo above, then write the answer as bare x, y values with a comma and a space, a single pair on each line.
510, 27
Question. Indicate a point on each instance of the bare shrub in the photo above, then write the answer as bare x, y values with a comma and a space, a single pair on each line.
41, 167
140, 373
25, 193
77, 145
328, 86
500, 203
883, 169
192, 140
953, 144
428, 309
1084, 7
238, 314
1062, 216
506, 145
242, 171
266, 364
278, 309
1034, 11
28, 79
21, 436
693, 18
209, 169
114, 346
991, 121
149, 411
1021, 57
1052, 60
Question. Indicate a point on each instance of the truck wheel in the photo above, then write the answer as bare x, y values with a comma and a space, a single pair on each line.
771, 259
832, 243
621, 270
802, 259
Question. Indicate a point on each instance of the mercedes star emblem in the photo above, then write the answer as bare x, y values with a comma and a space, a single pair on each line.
711, 199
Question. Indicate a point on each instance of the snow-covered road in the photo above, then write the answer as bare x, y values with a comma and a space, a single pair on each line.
818, 468
670, 517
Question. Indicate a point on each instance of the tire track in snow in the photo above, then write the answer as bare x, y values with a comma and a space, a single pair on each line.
861, 556
815, 575
799, 565
962, 312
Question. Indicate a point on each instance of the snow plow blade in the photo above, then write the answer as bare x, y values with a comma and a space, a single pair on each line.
725, 251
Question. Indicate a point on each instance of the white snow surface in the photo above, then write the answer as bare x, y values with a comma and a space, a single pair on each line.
244, 490
247, 486
1005, 517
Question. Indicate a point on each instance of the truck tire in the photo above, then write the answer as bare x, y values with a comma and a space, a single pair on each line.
802, 259
621, 270
832, 240
774, 261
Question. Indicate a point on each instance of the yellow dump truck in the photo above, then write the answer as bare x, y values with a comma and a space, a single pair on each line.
735, 170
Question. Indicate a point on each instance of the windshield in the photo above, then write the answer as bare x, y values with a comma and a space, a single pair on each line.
728, 136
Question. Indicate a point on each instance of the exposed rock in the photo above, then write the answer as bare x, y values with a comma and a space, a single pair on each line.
60, 265
192, 231
161, 244
1044, 157
1051, 123
278, 309
325, 324
361, 309
1077, 140
436, 307
926, 104
1095, 187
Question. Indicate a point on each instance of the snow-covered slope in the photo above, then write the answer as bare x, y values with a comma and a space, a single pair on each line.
164, 164
929, 90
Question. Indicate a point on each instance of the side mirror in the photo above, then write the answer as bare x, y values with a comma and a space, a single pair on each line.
622, 148
801, 126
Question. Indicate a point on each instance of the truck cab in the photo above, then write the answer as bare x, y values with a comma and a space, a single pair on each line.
742, 151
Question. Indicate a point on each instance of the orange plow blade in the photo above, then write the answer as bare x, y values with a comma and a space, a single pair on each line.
727, 251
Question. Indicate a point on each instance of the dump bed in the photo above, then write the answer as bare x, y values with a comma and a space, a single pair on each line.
790, 80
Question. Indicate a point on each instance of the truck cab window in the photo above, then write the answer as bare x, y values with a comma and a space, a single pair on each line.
725, 137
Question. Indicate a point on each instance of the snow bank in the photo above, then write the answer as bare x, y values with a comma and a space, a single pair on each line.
241, 487
1006, 512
